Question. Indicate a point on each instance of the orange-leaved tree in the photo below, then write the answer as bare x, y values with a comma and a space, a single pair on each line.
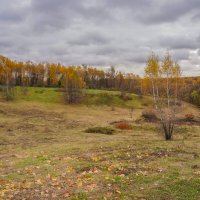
6, 71
73, 84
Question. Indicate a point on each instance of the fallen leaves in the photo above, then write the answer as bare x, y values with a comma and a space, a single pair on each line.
117, 191
79, 184
91, 187
197, 173
39, 182
95, 158
91, 173
69, 170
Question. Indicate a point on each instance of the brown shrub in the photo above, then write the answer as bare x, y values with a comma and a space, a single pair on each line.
125, 97
189, 117
149, 115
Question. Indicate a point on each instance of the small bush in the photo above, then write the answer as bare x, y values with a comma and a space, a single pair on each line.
102, 130
145, 104
123, 126
8, 93
149, 115
40, 91
189, 117
125, 97
104, 99
24, 90
140, 96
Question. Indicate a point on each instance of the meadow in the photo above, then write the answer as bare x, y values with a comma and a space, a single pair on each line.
46, 152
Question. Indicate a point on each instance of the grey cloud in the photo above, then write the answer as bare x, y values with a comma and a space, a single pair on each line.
12, 11
108, 50
138, 59
61, 14
181, 54
196, 16
169, 11
13, 16
130, 4
155, 12
179, 42
100, 33
93, 38
5, 44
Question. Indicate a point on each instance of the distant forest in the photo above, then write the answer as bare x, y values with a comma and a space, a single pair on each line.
14, 73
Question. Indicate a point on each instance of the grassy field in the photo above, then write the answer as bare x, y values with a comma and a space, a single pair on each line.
90, 97
45, 152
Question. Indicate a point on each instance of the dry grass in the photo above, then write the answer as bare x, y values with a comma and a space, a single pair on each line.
45, 154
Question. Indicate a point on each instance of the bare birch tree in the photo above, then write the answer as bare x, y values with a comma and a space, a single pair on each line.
164, 78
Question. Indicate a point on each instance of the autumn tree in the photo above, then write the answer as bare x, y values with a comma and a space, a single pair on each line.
164, 77
120, 81
52, 75
6, 69
111, 77
41, 70
73, 85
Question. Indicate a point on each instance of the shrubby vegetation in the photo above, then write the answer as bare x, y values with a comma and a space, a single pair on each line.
102, 130
123, 125
149, 115
195, 97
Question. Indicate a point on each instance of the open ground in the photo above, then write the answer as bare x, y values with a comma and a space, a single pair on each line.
45, 152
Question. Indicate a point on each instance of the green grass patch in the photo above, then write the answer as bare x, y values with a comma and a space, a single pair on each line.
102, 130
90, 97
40, 94
112, 99
39, 160
176, 189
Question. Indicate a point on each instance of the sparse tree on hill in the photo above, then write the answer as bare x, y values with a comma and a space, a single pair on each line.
165, 82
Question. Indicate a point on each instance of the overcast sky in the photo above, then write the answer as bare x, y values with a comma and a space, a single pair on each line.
101, 32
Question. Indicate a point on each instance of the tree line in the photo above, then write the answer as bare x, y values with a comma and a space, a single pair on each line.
55, 75
74, 78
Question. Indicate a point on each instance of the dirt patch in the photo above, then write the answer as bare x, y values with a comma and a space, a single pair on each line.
31, 112
32, 119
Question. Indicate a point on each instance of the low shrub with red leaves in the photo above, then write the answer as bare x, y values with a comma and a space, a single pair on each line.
123, 126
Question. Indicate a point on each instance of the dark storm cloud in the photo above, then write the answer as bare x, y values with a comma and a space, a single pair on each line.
101, 32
